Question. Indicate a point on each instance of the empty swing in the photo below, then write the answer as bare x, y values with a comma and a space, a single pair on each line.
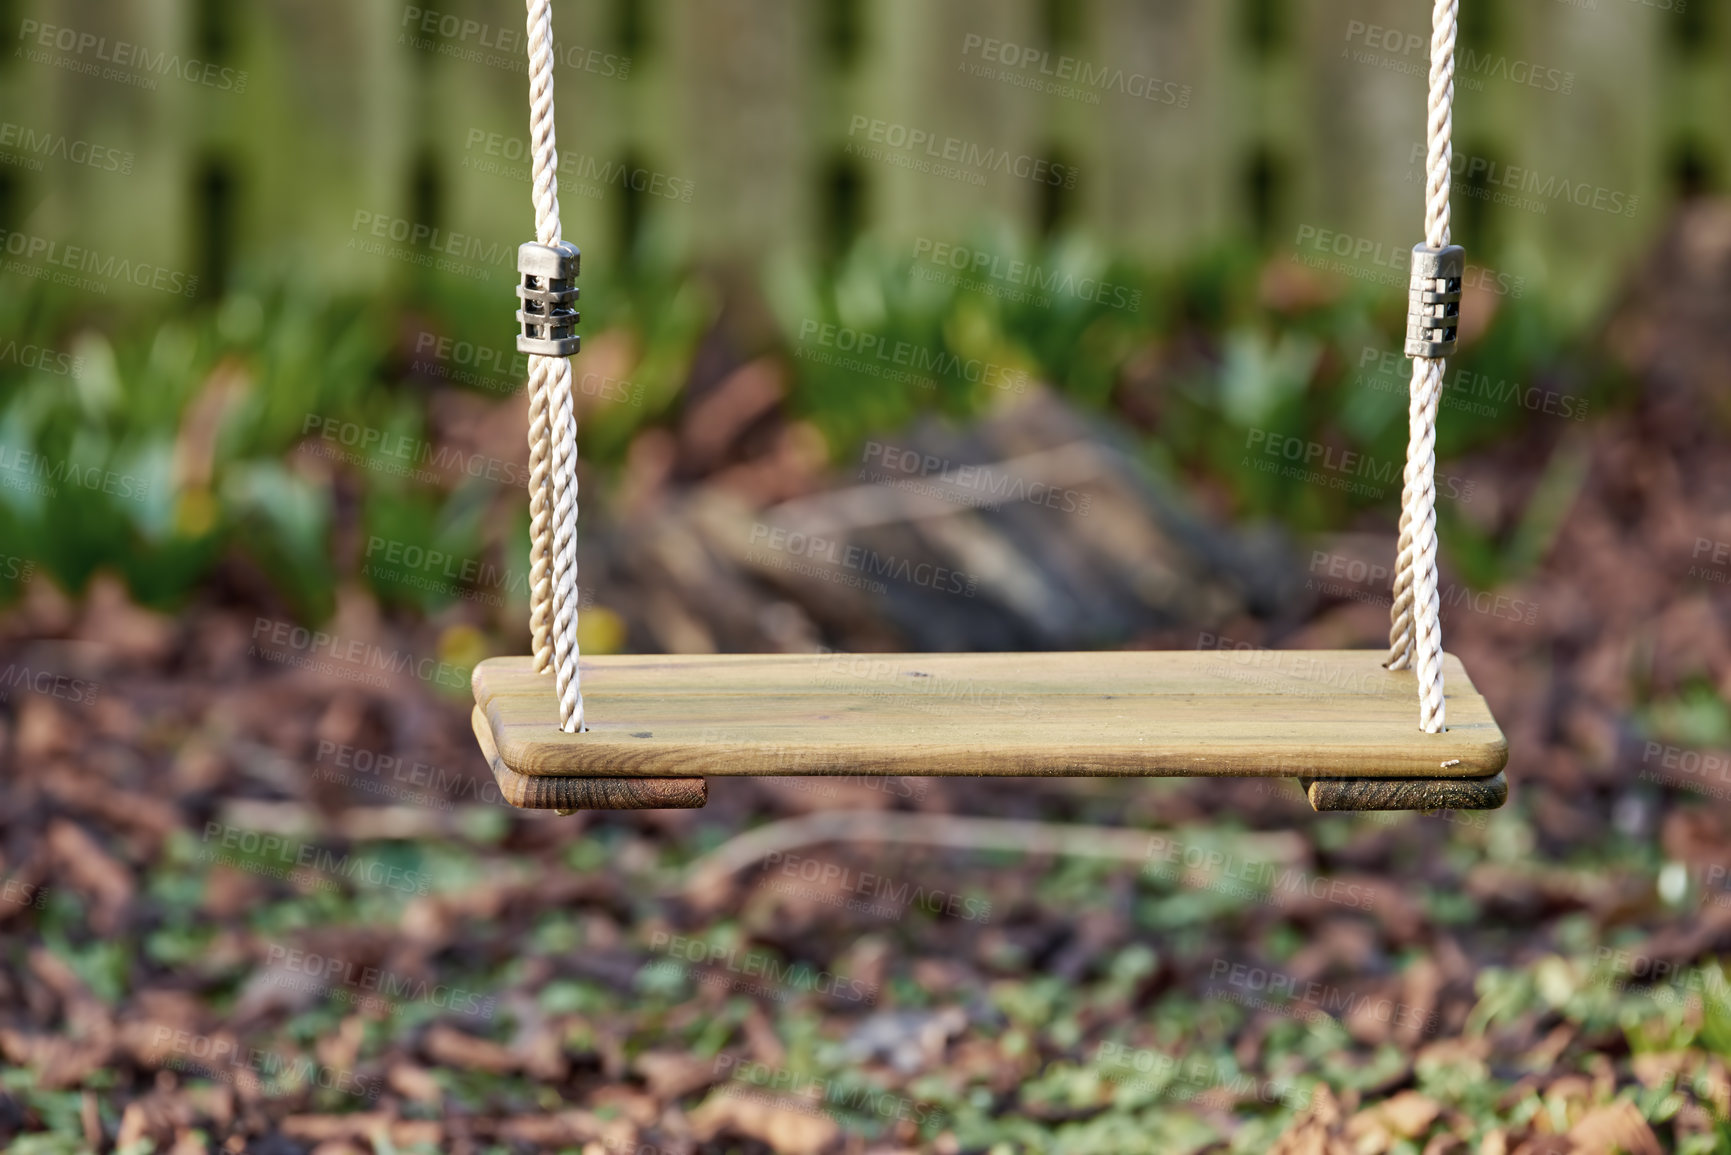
1339, 721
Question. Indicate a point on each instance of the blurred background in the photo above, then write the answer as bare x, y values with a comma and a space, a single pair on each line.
1038, 324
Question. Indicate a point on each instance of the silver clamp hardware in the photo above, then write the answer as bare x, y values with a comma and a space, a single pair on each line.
1434, 300
548, 294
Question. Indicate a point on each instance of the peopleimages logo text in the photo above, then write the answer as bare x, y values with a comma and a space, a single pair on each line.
56, 254
1070, 74
329, 971
34, 144
797, 976
954, 150
281, 856
840, 554
292, 641
125, 54
866, 348
981, 265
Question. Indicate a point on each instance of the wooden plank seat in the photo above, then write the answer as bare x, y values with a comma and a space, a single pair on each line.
659, 725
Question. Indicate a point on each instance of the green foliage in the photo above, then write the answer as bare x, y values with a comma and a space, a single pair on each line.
174, 441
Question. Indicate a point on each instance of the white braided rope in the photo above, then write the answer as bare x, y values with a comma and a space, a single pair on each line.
564, 420
552, 419
540, 531
1415, 631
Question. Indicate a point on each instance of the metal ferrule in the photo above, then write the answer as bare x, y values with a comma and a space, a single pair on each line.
1434, 300
547, 295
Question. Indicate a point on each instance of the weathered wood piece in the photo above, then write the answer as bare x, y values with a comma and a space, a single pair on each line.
528, 793
1406, 793
1300, 713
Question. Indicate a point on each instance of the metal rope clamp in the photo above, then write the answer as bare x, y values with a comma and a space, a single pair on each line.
548, 296
1434, 300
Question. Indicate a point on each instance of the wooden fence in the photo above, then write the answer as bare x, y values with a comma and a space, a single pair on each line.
359, 139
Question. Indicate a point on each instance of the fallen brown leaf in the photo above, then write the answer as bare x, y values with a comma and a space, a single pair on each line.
1410, 1114
1614, 1129
364, 1126
1317, 1131
1407, 1115
413, 1082
674, 1074
452, 1048
786, 1127
90, 869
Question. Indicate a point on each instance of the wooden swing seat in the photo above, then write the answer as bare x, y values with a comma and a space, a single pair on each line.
659, 726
